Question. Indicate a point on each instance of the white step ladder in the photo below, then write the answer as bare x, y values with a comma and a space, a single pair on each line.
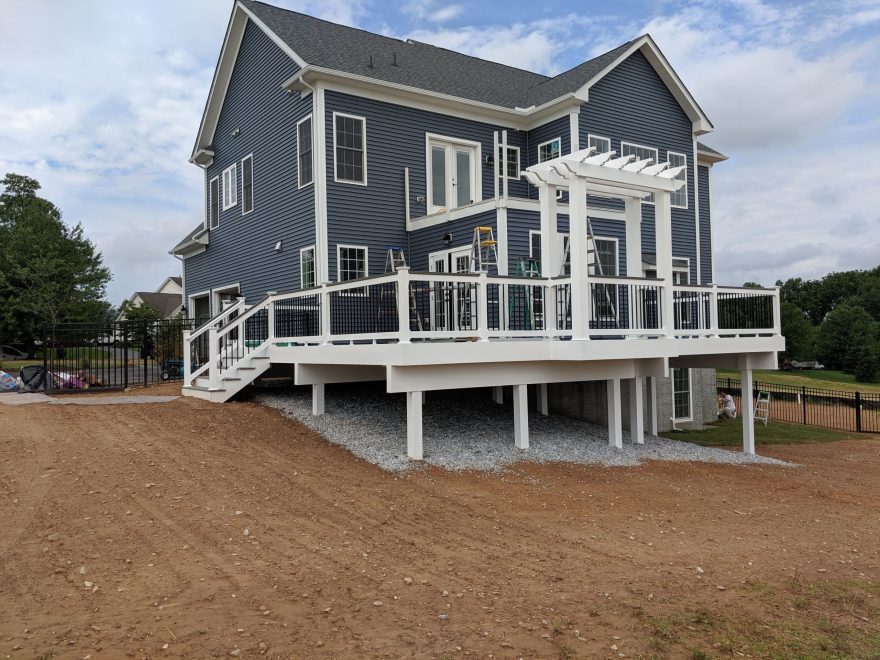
762, 408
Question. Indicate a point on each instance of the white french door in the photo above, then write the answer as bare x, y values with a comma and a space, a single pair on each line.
450, 302
452, 174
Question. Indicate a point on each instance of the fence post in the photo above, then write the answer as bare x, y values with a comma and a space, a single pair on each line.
804, 399
45, 357
144, 351
858, 411
125, 325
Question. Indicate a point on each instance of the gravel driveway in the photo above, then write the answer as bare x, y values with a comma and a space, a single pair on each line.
465, 430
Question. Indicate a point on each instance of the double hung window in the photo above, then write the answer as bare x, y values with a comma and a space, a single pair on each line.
681, 394
641, 153
350, 147
679, 198
512, 162
307, 267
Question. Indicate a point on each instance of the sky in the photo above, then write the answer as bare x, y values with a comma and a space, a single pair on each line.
100, 101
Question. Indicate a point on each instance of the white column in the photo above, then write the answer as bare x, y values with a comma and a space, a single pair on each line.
414, 425
543, 402
577, 240
521, 416
636, 411
549, 256
747, 413
318, 399
403, 312
633, 207
498, 395
652, 406
663, 233
615, 427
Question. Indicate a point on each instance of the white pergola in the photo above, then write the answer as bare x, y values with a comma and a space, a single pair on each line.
587, 172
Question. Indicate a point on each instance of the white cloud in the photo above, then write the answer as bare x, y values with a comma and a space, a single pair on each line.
432, 11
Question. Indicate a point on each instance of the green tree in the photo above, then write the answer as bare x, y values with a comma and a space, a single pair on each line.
49, 272
798, 333
846, 335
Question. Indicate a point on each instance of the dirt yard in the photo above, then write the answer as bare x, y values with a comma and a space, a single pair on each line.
190, 529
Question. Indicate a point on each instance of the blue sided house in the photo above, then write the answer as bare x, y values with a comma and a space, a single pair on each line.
377, 209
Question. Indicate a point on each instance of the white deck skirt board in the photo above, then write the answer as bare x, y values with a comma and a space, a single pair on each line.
314, 374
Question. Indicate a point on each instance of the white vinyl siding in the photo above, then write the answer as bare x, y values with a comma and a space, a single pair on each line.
350, 148
641, 153
230, 187
679, 198
247, 184
307, 267
304, 151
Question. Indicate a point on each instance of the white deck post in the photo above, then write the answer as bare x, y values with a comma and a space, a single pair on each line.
325, 313
652, 406
549, 254
483, 306
543, 402
187, 358
317, 399
615, 430
577, 240
215, 358
663, 233
403, 329
270, 320
747, 413
498, 395
636, 411
414, 425
521, 416
633, 208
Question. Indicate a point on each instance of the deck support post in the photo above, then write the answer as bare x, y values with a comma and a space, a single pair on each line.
521, 416
543, 402
498, 395
615, 426
652, 406
318, 399
414, 425
636, 411
747, 412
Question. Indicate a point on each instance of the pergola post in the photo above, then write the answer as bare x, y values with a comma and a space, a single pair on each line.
615, 426
633, 209
663, 239
577, 240
549, 253
636, 411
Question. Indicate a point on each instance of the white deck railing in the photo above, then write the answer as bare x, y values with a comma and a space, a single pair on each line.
408, 307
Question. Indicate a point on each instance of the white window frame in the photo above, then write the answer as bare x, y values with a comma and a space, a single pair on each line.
214, 218
616, 241
476, 174
363, 121
690, 416
682, 176
559, 140
191, 302
217, 292
650, 198
229, 193
591, 137
302, 284
249, 157
518, 161
532, 234
299, 181
364, 291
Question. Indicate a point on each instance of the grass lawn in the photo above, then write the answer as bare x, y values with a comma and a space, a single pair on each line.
74, 358
729, 433
832, 380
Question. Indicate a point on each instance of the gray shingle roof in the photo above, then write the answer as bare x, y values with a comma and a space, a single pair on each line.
705, 149
419, 65
186, 239
164, 303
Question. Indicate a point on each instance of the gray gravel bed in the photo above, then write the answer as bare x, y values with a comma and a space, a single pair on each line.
465, 430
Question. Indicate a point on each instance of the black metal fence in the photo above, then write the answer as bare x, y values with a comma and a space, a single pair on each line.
813, 406
112, 355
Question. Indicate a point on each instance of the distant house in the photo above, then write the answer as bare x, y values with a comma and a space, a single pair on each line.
167, 299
